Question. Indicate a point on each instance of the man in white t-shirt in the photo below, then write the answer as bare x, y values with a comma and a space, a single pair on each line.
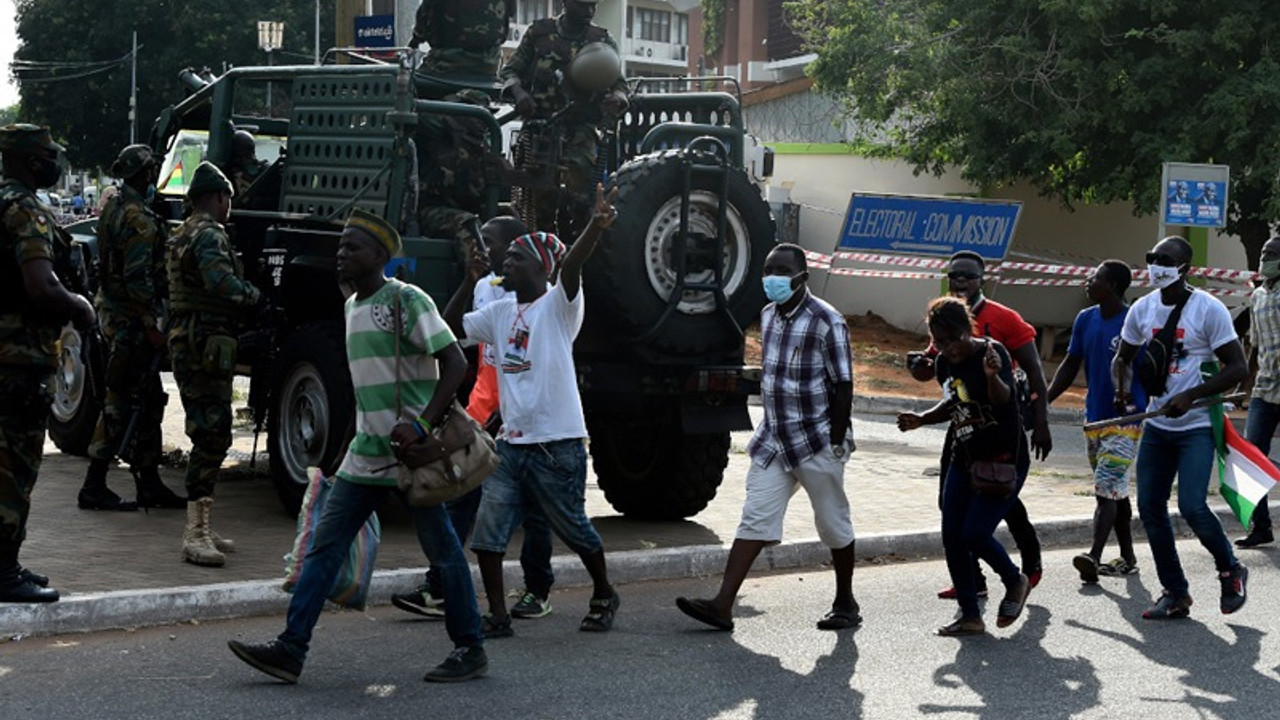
1180, 443
542, 443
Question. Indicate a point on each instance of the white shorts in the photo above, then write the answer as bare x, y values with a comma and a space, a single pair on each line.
769, 489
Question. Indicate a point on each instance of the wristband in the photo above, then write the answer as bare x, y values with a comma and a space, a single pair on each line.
422, 427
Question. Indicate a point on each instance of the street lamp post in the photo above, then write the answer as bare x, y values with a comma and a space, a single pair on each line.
270, 36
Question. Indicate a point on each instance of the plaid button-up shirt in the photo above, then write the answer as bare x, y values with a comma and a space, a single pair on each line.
1264, 332
805, 354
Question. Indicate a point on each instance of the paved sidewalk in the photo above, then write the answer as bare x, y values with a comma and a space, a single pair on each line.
124, 569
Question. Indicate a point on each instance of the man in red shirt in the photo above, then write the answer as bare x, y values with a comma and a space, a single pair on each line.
1001, 323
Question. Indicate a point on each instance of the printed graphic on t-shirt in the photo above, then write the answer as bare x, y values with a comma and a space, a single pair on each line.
967, 416
384, 316
515, 356
1179, 351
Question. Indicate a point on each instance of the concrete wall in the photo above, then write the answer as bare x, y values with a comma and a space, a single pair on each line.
822, 184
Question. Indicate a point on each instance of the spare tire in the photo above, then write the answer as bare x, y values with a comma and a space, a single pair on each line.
632, 272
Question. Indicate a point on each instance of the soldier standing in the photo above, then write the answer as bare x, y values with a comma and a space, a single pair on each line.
208, 297
536, 79
131, 265
34, 305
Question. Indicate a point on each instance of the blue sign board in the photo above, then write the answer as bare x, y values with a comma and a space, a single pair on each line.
375, 31
1195, 202
921, 225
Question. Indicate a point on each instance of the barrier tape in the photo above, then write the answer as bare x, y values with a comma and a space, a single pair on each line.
1036, 282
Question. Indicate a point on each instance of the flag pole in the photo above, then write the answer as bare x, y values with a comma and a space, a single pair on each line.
1130, 419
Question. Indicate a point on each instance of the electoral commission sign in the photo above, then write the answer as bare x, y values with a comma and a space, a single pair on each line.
921, 225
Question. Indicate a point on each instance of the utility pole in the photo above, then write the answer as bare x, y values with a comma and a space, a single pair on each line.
133, 92
317, 32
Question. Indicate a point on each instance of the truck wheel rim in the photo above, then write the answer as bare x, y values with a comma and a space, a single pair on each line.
69, 380
735, 252
304, 421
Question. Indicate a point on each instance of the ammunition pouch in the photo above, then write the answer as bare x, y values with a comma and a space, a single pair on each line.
219, 354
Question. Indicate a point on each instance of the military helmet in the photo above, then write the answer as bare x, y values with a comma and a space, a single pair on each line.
131, 161
595, 67
25, 136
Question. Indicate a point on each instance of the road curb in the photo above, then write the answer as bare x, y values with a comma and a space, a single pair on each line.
124, 609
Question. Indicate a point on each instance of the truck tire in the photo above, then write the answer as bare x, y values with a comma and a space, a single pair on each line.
311, 417
657, 473
632, 275
77, 395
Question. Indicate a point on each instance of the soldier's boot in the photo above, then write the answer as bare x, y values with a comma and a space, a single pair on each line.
14, 587
223, 545
152, 492
95, 495
197, 544
32, 576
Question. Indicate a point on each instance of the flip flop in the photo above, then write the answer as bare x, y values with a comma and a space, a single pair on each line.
703, 612
1014, 601
840, 620
963, 628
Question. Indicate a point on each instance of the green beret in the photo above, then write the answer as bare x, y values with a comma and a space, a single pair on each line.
376, 228
208, 179
24, 136
132, 160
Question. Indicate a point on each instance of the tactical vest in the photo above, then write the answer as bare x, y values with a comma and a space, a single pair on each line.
452, 154
553, 51
187, 293
111, 252
474, 25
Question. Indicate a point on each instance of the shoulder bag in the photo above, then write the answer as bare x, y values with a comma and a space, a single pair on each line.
993, 478
1152, 363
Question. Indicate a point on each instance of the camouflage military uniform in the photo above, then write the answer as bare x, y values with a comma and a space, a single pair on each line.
131, 256
465, 35
452, 155
208, 297
546, 50
28, 354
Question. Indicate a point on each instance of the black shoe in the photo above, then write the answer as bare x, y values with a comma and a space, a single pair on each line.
420, 602
464, 663
93, 498
270, 657
1234, 588
33, 577
1256, 537
21, 590
159, 496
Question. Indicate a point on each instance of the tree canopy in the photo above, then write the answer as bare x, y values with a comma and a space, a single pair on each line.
90, 111
1085, 99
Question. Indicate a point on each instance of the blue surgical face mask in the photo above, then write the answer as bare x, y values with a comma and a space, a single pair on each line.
778, 288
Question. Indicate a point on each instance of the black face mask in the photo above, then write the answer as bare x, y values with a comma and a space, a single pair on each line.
46, 172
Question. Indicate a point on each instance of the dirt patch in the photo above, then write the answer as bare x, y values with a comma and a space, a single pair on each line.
879, 361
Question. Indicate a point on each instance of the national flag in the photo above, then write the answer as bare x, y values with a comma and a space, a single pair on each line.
1245, 475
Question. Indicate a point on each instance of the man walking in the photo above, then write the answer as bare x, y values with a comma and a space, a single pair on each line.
804, 440
1095, 335
34, 305
1180, 443
368, 472
542, 443
1264, 399
209, 298
132, 272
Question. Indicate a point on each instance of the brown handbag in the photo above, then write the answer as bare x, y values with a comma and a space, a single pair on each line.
993, 479
452, 460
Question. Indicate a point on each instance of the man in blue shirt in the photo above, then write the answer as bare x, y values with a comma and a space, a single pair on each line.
1095, 336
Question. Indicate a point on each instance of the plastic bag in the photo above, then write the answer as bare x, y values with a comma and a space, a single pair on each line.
351, 586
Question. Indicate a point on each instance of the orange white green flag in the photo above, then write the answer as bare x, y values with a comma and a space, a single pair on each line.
1245, 475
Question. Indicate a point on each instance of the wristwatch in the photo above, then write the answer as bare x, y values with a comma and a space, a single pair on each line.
838, 451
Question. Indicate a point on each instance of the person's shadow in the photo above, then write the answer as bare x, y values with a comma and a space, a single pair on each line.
1016, 677
1222, 670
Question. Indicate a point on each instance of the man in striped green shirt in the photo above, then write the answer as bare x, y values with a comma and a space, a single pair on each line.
430, 370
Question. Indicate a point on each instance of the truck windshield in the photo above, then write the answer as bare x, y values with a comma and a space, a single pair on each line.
189, 148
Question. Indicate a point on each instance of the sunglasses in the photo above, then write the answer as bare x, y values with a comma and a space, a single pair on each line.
957, 275
1162, 260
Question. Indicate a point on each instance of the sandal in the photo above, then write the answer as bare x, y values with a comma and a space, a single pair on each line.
1015, 599
840, 620
704, 612
600, 616
963, 627
493, 629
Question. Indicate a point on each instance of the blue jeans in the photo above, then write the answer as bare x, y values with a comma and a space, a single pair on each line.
1189, 455
550, 476
346, 509
969, 522
535, 553
1259, 428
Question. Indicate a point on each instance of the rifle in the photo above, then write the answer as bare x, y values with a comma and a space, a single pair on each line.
137, 406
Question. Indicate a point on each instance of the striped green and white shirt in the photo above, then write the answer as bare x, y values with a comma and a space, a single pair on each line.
371, 355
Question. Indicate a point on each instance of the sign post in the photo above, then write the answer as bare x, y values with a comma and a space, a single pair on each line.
1194, 196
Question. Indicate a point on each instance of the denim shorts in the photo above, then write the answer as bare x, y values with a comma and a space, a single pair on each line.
551, 476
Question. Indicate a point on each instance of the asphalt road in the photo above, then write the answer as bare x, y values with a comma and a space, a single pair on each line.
1077, 653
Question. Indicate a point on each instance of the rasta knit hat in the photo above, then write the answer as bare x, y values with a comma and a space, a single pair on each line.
376, 228
132, 160
208, 179
543, 247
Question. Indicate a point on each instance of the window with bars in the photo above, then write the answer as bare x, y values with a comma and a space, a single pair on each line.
655, 25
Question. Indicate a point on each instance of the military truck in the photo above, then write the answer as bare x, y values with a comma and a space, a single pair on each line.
668, 290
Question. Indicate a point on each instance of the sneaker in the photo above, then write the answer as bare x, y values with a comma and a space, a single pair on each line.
531, 606
950, 593
420, 602
1118, 567
464, 663
1168, 607
270, 657
1088, 567
1255, 538
1234, 584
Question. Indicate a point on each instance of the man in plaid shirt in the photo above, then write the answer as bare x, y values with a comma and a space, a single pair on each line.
1264, 400
804, 441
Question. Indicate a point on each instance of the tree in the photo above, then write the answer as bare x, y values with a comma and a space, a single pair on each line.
90, 111
1085, 99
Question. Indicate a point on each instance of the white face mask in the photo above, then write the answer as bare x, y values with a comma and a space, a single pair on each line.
1161, 276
